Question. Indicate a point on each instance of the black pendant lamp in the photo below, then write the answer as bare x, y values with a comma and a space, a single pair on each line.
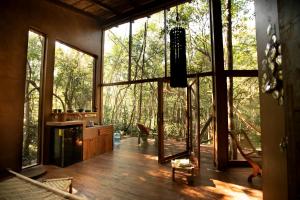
178, 56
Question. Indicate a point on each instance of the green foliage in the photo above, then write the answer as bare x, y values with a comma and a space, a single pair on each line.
121, 106
246, 108
194, 17
243, 34
32, 95
73, 78
124, 106
116, 51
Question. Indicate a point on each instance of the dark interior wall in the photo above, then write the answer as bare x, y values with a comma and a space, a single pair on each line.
289, 24
272, 115
16, 18
13, 41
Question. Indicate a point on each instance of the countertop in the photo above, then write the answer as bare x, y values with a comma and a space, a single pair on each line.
65, 123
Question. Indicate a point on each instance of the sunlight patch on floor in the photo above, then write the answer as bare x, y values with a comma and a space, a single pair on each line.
150, 157
233, 191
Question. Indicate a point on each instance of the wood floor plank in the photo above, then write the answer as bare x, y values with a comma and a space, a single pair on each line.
132, 172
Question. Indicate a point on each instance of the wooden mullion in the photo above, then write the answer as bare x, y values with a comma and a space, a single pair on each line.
219, 85
101, 71
160, 115
188, 136
154, 79
165, 37
130, 51
241, 73
198, 121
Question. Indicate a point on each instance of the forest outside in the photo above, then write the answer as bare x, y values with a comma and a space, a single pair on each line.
142, 56
148, 57
150, 60
34, 68
73, 79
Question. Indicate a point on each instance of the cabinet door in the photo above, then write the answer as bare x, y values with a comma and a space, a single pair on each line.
89, 148
102, 143
85, 149
108, 142
99, 144
93, 146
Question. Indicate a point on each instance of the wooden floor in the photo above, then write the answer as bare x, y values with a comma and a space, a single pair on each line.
131, 172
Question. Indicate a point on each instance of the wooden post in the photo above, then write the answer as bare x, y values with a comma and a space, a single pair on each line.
47, 96
101, 61
160, 126
188, 120
165, 37
220, 86
198, 121
130, 51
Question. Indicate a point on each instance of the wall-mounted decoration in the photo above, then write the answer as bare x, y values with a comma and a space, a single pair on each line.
272, 67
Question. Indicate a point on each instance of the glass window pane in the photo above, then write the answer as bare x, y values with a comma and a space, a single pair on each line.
148, 59
175, 127
116, 54
126, 105
194, 17
35, 54
73, 79
243, 35
206, 109
246, 115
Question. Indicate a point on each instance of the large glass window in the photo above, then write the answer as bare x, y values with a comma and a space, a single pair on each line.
149, 56
116, 54
73, 79
34, 66
239, 43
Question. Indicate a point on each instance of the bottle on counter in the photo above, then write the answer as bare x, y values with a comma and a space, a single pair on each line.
117, 138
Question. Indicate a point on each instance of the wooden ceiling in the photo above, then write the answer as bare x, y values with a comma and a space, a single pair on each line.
114, 12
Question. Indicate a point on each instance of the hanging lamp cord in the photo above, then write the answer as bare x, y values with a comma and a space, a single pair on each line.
177, 16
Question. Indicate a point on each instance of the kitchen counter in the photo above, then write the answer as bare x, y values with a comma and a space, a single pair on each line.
97, 139
65, 123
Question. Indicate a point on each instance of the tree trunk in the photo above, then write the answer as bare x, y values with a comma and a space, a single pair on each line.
142, 73
230, 67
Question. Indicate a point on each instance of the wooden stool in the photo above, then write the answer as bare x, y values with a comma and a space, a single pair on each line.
64, 184
189, 168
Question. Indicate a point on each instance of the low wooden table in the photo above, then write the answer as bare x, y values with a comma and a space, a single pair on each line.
181, 165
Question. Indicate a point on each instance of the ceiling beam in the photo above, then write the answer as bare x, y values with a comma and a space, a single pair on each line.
133, 3
74, 9
141, 11
106, 7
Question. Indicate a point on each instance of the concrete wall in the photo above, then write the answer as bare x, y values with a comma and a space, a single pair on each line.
16, 18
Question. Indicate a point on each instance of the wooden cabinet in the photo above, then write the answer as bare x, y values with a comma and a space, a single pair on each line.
97, 140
